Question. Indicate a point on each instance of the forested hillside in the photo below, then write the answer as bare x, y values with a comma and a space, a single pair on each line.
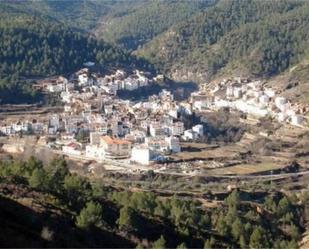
47, 206
262, 38
32, 47
138, 24
79, 14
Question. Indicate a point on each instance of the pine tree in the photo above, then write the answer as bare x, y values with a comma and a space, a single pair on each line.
91, 215
38, 179
237, 229
126, 220
181, 246
258, 239
160, 243
209, 244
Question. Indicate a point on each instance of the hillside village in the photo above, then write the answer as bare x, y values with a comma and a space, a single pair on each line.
98, 125
154, 124
250, 97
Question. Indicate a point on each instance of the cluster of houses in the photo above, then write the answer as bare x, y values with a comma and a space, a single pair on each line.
250, 97
93, 82
96, 124
23, 127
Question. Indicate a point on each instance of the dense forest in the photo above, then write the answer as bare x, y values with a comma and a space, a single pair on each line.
260, 37
32, 47
93, 214
141, 22
79, 14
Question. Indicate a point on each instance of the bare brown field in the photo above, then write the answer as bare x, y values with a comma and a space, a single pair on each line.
243, 169
229, 151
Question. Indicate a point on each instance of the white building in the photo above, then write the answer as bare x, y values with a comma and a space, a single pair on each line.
199, 129
95, 138
230, 91
143, 81
201, 105
54, 121
141, 155
282, 117
297, 120
174, 112
95, 151
177, 129
280, 102
38, 128
113, 87
157, 144
83, 79
137, 136
156, 129
55, 88
237, 92
166, 95
173, 144
120, 73
186, 108
189, 135
68, 108
72, 149
66, 97
115, 148
6, 130
67, 137
270, 93
22, 127
257, 94
130, 84
264, 99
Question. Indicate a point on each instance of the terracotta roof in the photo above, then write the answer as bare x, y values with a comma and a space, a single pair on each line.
73, 145
110, 140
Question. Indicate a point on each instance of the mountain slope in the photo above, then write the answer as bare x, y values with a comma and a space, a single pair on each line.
79, 14
146, 19
47, 206
260, 38
33, 47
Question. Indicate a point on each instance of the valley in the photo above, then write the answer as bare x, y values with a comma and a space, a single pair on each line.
154, 124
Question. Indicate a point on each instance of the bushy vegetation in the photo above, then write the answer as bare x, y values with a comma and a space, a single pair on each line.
260, 37
160, 222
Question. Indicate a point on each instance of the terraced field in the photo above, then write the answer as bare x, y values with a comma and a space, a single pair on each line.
244, 169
